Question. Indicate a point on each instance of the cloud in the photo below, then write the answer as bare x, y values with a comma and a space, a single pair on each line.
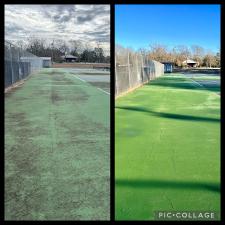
92, 13
82, 19
86, 23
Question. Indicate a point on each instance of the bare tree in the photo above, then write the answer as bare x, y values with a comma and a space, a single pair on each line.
182, 53
177, 55
158, 52
62, 46
197, 54
144, 52
217, 58
36, 46
76, 47
21, 44
210, 60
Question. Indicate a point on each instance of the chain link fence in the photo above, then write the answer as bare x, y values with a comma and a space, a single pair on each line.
134, 69
19, 64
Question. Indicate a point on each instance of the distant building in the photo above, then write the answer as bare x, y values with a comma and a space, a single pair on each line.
168, 67
69, 58
46, 62
190, 63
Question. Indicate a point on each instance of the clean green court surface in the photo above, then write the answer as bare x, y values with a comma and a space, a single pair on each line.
167, 154
57, 156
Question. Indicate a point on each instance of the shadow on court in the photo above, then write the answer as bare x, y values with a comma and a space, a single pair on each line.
214, 187
169, 115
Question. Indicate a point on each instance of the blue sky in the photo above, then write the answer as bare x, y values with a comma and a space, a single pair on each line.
140, 25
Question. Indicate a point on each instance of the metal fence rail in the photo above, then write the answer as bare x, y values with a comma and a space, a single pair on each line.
133, 69
19, 64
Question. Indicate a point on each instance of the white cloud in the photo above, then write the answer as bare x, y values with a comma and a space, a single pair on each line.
86, 23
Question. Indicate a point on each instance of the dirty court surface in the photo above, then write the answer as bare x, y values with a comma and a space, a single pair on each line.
57, 158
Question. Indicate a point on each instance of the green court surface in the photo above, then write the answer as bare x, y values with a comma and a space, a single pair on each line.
167, 149
57, 156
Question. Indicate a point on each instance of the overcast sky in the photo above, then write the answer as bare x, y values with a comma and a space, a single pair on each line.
88, 23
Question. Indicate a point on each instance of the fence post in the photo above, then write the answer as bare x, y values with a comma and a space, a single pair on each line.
128, 58
116, 77
19, 64
143, 71
137, 69
12, 73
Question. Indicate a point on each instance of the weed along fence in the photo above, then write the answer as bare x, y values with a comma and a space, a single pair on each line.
133, 70
19, 64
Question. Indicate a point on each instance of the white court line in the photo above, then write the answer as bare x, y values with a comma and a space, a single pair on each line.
103, 91
193, 81
97, 88
203, 86
80, 78
197, 83
200, 85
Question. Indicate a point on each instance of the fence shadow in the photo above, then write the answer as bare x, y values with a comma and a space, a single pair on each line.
169, 115
193, 185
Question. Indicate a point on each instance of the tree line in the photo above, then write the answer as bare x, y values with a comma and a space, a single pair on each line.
58, 48
178, 54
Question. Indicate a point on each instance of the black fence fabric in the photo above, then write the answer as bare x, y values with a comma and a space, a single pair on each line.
19, 64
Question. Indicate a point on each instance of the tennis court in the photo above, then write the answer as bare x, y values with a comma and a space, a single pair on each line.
167, 148
97, 78
57, 150
210, 81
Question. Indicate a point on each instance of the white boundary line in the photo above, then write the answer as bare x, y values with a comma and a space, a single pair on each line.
197, 83
97, 88
200, 84
103, 91
80, 78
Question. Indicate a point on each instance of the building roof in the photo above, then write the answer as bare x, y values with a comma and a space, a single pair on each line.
189, 61
46, 58
69, 56
167, 62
